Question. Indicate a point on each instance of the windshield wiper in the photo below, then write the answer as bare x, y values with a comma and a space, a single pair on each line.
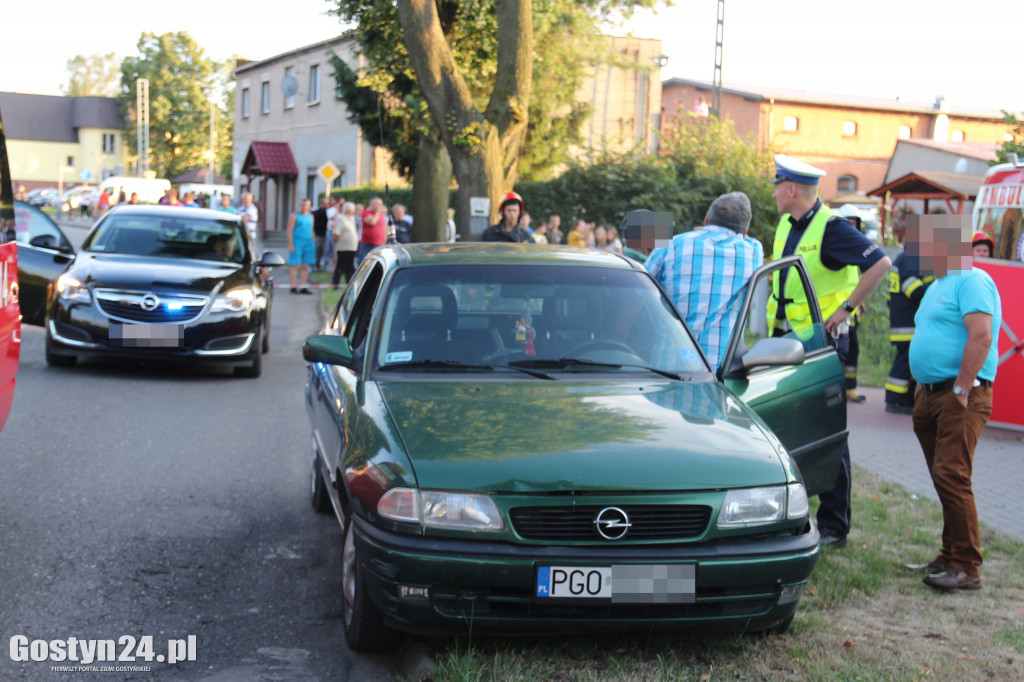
563, 363
455, 364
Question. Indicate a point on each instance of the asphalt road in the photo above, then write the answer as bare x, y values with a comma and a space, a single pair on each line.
169, 502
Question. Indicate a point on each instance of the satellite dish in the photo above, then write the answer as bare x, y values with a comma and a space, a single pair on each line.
289, 86
961, 166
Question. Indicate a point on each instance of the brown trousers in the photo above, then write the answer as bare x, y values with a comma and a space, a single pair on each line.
948, 434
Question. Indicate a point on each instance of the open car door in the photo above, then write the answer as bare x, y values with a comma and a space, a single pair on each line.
804, 402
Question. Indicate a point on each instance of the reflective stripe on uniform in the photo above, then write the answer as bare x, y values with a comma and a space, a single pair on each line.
901, 334
897, 385
850, 372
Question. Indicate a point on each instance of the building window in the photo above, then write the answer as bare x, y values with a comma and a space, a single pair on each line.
311, 188
957, 136
265, 98
314, 84
245, 102
846, 184
849, 128
905, 132
791, 123
289, 100
109, 143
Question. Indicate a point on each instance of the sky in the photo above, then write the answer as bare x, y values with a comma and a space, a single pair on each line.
908, 49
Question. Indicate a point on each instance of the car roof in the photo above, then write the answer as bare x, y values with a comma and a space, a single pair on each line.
497, 253
157, 209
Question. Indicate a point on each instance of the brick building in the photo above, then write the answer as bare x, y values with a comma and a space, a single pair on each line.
852, 138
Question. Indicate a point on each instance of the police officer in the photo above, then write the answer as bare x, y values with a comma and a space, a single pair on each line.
509, 228
845, 267
906, 288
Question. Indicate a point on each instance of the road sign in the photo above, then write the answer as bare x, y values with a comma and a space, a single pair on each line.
328, 172
85, 175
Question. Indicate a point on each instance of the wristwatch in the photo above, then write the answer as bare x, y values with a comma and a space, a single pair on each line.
848, 307
960, 391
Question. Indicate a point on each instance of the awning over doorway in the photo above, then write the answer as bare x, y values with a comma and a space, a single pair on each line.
270, 158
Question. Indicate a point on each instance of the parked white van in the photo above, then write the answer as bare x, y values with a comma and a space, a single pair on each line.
150, 191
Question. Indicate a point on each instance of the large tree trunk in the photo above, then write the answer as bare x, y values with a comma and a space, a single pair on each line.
484, 146
433, 175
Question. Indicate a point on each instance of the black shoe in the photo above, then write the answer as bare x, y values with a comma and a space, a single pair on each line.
896, 408
833, 540
304, 290
294, 290
953, 579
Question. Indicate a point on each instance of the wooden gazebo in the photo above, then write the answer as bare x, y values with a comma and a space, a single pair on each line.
951, 188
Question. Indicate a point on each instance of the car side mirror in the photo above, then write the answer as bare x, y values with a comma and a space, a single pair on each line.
774, 352
45, 241
329, 349
270, 260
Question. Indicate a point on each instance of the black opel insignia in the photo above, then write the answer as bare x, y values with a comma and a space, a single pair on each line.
160, 281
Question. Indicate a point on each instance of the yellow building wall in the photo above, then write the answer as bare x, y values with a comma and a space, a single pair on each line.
37, 162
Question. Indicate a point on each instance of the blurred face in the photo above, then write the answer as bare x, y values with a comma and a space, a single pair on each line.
247, 199
785, 193
225, 200
511, 213
982, 251
305, 206
940, 250
399, 212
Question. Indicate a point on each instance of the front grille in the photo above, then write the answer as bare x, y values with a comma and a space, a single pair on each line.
130, 306
649, 522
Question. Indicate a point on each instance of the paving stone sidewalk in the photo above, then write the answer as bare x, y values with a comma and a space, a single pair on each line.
885, 444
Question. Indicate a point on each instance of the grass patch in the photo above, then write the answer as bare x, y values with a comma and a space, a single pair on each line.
862, 617
876, 353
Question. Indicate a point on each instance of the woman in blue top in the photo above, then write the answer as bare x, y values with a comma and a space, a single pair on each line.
301, 248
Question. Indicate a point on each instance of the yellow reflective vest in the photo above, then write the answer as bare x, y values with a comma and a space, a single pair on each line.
831, 286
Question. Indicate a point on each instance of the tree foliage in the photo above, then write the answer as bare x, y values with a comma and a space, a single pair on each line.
701, 159
97, 75
1012, 146
182, 82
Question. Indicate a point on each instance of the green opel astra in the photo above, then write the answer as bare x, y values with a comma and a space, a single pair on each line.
527, 439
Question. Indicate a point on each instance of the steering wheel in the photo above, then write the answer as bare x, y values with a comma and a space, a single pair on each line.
599, 344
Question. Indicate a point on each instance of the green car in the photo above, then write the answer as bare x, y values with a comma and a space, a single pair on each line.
525, 439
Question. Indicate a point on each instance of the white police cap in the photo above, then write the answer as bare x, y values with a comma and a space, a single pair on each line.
788, 168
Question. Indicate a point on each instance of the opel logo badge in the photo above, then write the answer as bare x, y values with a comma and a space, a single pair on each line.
612, 523
149, 302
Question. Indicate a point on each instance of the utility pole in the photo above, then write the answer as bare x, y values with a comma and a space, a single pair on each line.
716, 94
142, 116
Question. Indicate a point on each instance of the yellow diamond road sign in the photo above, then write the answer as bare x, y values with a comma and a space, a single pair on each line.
328, 172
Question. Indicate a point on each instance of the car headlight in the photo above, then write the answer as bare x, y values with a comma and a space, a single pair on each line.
236, 301
760, 506
441, 509
71, 290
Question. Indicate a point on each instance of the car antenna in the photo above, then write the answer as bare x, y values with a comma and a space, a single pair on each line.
392, 238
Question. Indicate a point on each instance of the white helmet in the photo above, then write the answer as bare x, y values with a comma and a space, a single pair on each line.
848, 211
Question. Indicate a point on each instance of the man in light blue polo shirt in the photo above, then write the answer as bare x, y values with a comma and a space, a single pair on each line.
705, 272
953, 358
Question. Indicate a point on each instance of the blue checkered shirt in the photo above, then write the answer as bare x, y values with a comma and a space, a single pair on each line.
705, 272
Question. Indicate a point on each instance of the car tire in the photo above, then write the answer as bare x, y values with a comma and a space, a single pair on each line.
364, 626
320, 496
55, 359
255, 369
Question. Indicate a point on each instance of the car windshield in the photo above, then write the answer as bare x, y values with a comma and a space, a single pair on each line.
169, 237
535, 318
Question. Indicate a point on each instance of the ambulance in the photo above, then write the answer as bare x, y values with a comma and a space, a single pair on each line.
999, 207
997, 212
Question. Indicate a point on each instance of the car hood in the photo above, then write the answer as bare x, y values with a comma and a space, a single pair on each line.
120, 271
524, 436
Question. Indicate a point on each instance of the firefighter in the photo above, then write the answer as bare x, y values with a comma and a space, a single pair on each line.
906, 288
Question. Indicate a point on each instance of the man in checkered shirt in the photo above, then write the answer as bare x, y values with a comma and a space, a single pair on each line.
705, 272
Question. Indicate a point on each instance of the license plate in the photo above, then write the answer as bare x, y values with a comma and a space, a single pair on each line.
147, 335
621, 584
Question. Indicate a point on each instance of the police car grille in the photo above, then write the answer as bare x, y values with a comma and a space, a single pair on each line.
128, 306
649, 522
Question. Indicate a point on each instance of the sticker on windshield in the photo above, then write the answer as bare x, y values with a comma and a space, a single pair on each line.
399, 356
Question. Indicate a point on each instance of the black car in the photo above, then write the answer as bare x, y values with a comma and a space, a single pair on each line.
44, 252
167, 282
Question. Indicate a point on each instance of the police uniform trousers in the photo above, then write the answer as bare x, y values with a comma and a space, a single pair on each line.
900, 385
948, 434
834, 510
852, 358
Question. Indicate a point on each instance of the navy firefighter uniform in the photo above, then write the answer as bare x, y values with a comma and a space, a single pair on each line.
836, 254
906, 288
